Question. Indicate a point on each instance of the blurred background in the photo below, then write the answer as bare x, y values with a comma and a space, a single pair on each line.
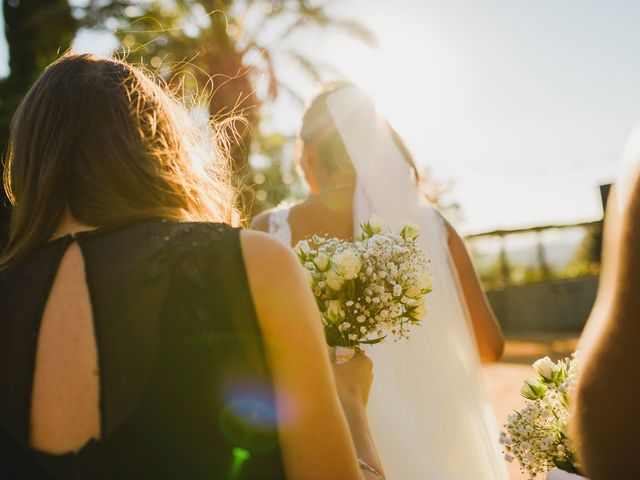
516, 112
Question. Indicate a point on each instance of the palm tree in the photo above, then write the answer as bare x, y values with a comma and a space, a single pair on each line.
223, 47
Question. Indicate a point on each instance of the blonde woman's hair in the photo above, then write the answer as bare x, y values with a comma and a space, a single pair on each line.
108, 142
319, 130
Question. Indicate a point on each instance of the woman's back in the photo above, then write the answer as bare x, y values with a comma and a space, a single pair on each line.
158, 354
328, 214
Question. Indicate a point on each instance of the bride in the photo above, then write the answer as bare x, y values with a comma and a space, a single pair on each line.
428, 410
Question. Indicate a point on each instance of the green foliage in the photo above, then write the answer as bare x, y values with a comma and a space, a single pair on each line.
586, 261
226, 54
495, 275
273, 177
37, 31
214, 52
491, 273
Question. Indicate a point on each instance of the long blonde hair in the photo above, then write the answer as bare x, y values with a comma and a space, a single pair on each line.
108, 142
318, 129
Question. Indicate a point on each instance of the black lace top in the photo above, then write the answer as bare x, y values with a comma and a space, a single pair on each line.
184, 387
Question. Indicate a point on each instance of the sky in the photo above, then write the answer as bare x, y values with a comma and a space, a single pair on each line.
524, 106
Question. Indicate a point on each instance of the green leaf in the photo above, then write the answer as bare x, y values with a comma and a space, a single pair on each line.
372, 342
357, 30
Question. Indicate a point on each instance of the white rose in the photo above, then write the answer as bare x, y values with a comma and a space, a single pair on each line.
414, 291
420, 311
545, 367
302, 247
348, 264
425, 280
334, 280
410, 231
532, 390
376, 224
321, 261
334, 310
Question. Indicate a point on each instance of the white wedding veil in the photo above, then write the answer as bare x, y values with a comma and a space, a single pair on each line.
428, 409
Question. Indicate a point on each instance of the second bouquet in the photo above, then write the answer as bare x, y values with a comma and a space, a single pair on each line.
369, 289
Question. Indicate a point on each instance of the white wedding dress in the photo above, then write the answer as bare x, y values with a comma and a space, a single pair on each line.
428, 410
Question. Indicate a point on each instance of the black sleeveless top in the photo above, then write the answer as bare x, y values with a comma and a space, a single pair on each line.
185, 392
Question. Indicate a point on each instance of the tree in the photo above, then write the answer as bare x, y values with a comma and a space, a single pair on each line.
274, 177
586, 259
36, 32
219, 49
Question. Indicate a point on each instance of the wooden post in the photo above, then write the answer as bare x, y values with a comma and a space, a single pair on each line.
542, 257
504, 262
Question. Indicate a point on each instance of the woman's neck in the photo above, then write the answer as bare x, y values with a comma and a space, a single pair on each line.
336, 189
337, 197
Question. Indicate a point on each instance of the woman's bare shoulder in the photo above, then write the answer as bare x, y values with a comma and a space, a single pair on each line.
315, 217
267, 258
260, 245
277, 281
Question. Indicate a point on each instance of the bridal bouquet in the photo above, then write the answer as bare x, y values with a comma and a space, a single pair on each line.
537, 435
368, 289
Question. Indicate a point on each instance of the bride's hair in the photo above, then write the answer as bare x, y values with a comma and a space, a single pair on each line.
111, 144
319, 129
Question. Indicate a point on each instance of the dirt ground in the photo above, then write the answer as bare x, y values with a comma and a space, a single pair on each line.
503, 380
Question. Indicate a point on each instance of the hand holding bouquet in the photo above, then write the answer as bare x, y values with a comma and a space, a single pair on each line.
537, 435
368, 289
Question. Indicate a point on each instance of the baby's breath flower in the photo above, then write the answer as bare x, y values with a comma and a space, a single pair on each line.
364, 288
302, 247
537, 435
